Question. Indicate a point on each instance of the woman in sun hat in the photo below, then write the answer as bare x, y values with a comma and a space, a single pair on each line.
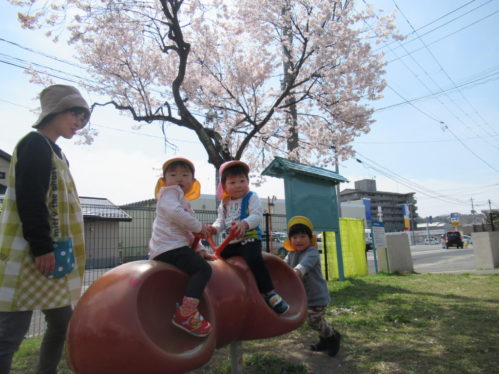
42, 255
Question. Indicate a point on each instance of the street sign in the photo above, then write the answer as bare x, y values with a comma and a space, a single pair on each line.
367, 206
454, 219
378, 232
407, 217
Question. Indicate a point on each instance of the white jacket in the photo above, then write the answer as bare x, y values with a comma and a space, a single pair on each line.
174, 224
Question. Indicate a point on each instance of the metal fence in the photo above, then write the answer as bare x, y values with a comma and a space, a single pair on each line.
112, 242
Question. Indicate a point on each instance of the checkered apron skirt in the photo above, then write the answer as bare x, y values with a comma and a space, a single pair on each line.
22, 286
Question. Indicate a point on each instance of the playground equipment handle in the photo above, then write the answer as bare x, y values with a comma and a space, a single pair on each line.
220, 248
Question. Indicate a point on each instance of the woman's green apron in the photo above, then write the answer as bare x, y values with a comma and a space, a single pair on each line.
22, 286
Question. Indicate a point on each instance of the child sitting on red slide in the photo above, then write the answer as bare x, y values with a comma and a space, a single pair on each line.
172, 238
242, 206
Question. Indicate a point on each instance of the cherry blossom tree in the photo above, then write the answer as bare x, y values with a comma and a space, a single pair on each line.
251, 78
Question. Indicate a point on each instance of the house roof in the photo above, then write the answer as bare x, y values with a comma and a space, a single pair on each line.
99, 208
138, 204
279, 167
5, 155
102, 209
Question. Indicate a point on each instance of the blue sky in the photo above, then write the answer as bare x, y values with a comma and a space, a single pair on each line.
443, 144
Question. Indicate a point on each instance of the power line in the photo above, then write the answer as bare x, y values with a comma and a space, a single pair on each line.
57, 71
80, 77
412, 185
38, 71
433, 118
426, 141
444, 37
442, 91
406, 182
15, 104
370, 164
434, 21
489, 77
447, 140
52, 57
439, 65
397, 177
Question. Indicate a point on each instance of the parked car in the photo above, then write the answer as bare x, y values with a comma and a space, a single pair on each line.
277, 241
369, 247
453, 239
467, 239
369, 240
432, 240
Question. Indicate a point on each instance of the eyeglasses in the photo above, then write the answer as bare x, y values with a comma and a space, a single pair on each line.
81, 118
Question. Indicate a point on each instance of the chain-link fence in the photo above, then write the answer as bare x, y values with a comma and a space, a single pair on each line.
113, 238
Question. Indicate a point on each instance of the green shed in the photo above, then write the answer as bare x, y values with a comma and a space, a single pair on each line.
310, 191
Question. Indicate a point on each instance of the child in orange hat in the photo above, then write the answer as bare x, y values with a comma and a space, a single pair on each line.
304, 258
241, 206
172, 238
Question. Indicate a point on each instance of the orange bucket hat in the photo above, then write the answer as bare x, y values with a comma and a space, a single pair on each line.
221, 194
195, 190
295, 221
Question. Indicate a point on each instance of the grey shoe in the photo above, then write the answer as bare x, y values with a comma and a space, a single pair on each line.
276, 302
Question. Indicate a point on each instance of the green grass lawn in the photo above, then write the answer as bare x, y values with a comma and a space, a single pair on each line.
427, 323
417, 323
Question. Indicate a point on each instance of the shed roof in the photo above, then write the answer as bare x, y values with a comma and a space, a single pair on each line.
280, 166
103, 209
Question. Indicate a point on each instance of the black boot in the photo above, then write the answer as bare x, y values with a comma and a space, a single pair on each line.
333, 344
321, 345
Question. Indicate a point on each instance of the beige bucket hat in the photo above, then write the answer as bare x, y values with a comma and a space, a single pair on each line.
57, 98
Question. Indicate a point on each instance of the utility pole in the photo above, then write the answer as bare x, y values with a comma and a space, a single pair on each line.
473, 214
412, 223
211, 120
339, 250
428, 230
491, 217
337, 171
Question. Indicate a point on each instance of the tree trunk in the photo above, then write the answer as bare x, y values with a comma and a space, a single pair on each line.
290, 102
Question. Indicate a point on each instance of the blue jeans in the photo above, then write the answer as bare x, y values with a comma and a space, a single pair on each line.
15, 325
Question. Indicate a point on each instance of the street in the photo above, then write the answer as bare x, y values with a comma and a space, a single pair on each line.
435, 259
441, 260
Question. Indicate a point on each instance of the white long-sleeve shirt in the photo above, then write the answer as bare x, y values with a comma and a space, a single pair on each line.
174, 224
230, 211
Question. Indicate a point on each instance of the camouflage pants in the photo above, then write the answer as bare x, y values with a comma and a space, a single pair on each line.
316, 321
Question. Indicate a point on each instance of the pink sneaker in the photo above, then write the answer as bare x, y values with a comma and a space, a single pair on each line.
193, 323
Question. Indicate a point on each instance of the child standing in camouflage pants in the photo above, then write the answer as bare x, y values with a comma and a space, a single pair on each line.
304, 258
